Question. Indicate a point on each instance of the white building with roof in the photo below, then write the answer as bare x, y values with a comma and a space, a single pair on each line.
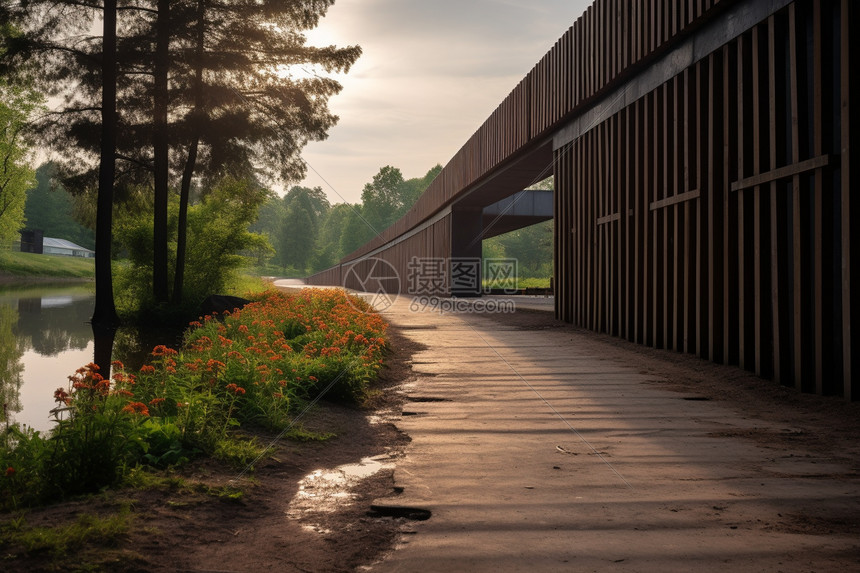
51, 246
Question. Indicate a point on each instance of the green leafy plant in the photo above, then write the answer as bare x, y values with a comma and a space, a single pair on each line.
256, 366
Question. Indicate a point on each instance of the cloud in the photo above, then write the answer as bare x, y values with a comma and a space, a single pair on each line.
430, 74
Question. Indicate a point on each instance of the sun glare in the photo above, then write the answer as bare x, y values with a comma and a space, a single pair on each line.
299, 72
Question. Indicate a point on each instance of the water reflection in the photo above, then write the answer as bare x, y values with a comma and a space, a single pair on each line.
44, 337
11, 349
55, 322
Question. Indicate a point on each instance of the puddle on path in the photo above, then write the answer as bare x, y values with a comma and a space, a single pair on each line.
327, 490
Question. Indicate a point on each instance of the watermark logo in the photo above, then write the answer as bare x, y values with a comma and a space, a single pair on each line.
461, 305
431, 280
501, 274
377, 281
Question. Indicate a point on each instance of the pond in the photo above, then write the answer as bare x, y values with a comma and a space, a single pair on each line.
45, 336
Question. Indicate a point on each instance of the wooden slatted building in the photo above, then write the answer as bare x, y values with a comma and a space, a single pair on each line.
704, 200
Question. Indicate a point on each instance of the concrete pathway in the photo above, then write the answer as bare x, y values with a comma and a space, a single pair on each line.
540, 450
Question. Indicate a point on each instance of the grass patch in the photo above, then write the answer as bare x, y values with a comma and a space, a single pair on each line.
247, 284
533, 282
141, 478
530, 282
59, 541
17, 264
275, 271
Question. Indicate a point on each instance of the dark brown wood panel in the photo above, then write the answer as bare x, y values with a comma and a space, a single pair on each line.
713, 214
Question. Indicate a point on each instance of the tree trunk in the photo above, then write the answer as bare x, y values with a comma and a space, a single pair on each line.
104, 313
160, 152
182, 230
191, 160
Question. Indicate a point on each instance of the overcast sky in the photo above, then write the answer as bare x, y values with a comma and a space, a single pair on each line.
432, 71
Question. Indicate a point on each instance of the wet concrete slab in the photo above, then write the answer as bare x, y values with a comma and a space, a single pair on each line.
542, 451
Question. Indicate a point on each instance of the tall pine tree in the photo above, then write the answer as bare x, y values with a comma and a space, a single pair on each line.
212, 82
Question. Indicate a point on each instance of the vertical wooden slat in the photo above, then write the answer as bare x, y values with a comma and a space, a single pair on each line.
744, 127
627, 226
600, 244
656, 234
800, 262
611, 255
579, 236
849, 210
818, 190
694, 239
638, 265
760, 93
732, 85
777, 294
680, 231
713, 185
621, 247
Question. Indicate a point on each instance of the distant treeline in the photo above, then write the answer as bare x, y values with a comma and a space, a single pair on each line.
309, 234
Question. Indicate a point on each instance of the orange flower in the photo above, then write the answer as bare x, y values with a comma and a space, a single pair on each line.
117, 364
147, 369
10, 471
136, 408
60, 395
162, 350
235, 389
156, 401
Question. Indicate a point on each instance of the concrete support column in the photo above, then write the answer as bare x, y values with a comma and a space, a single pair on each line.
465, 264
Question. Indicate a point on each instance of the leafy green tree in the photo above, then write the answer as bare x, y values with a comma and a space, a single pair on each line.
383, 198
304, 210
270, 219
50, 43
219, 243
16, 106
52, 209
388, 196
219, 240
298, 235
531, 246
328, 248
356, 230
315, 199
413, 188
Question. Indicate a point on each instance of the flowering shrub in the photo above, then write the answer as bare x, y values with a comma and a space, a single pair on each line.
257, 365
95, 439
